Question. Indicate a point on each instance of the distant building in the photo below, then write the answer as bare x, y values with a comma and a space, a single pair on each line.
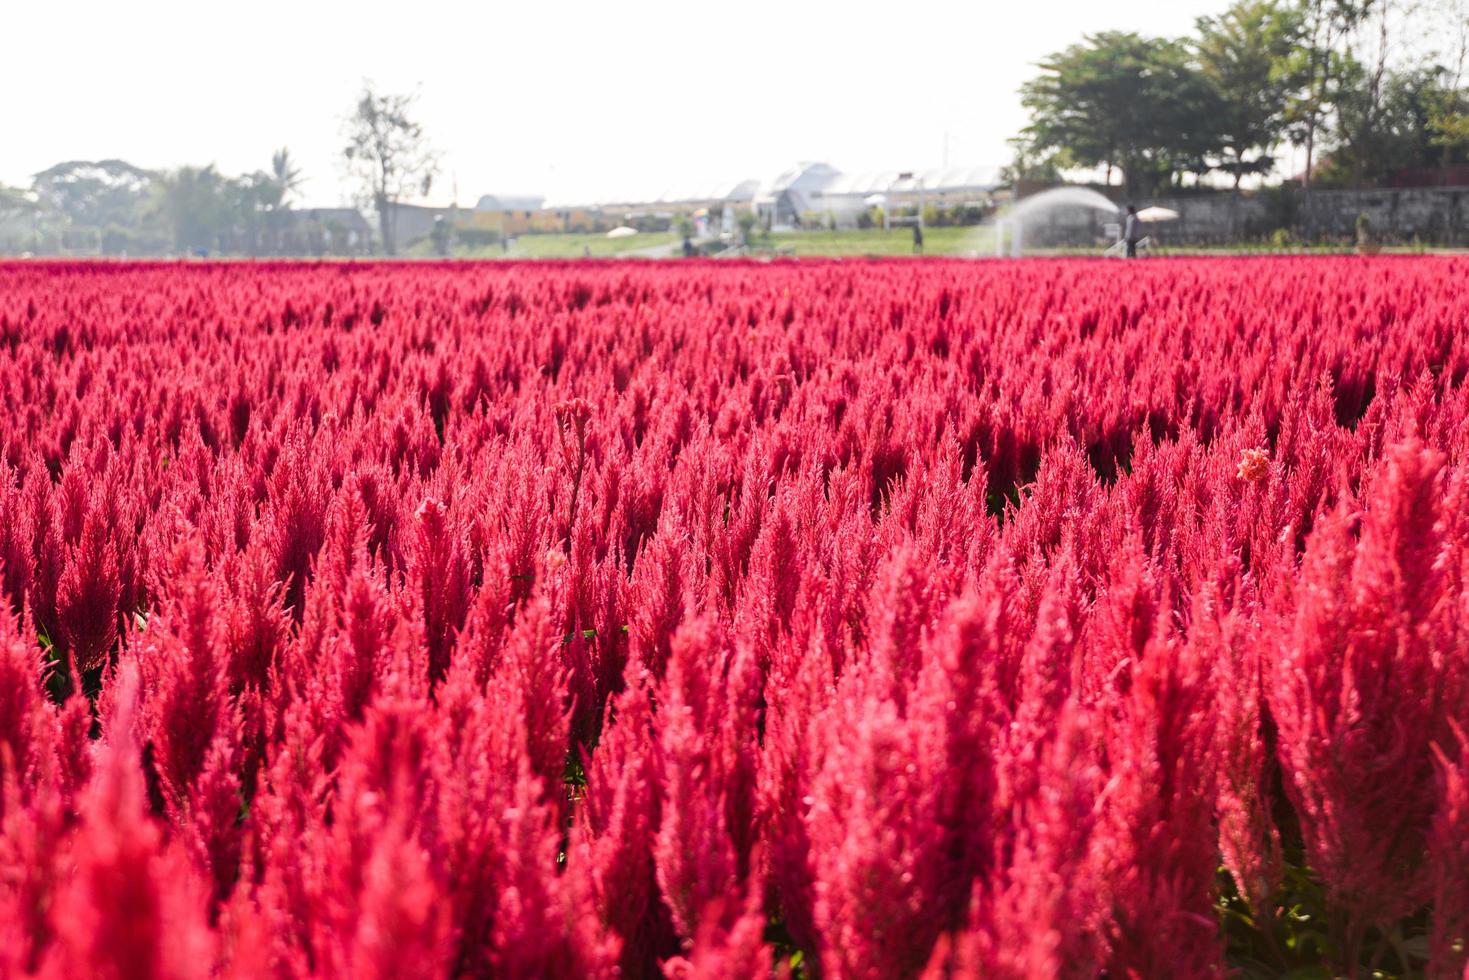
807, 191
679, 200
782, 200
564, 219
516, 214
819, 189
682, 199
414, 222
496, 203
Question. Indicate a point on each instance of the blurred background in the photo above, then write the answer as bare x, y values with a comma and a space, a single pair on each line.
651, 129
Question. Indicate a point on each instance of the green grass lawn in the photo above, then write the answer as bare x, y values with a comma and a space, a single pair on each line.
852, 242
870, 241
575, 246
876, 241
572, 246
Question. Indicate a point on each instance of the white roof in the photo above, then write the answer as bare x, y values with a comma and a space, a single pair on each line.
735, 192
743, 190
824, 180
810, 178
936, 180
805, 176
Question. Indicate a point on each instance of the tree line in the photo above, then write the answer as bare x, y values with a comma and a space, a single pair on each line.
1366, 88
114, 207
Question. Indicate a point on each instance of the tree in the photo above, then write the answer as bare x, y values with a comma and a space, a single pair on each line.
272, 189
1363, 92
1318, 65
1031, 165
263, 196
1449, 116
1123, 101
287, 176
1245, 55
387, 155
1398, 106
14, 201
1404, 129
442, 236
747, 220
1449, 121
199, 205
95, 194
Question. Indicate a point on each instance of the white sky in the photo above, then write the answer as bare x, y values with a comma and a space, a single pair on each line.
576, 100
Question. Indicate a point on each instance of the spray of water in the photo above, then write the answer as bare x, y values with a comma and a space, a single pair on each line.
1060, 197
1030, 210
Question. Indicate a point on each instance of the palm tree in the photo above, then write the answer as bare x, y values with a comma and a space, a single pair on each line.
285, 174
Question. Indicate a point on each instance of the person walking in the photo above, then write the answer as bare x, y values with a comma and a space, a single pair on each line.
1132, 231
917, 239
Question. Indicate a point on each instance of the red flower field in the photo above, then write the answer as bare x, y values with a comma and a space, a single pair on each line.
845, 619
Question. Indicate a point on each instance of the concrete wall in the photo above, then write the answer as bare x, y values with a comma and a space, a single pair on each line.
1431, 215
1434, 215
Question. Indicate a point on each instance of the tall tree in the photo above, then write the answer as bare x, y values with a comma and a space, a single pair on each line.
272, 189
1362, 101
1400, 130
1246, 56
200, 206
286, 174
1120, 100
14, 201
388, 155
95, 193
263, 198
1319, 64
1029, 164
1449, 118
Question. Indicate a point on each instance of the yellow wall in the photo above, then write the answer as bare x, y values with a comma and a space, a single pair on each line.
524, 222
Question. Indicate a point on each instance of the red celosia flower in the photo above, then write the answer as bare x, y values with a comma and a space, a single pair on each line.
1448, 852
128, 907
706, 734
571, 620
1369, 677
